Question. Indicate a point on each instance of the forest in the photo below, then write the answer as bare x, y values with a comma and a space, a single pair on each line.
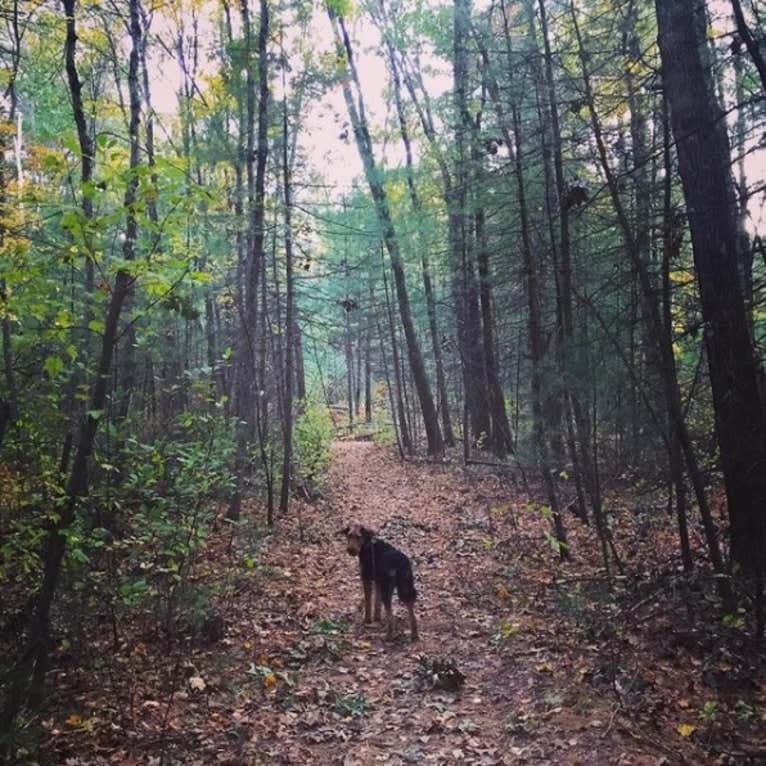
486, 277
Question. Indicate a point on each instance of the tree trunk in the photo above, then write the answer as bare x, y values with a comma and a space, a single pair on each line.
536, 342
671, 243
704, 164
428, 290
649, 297
35, 659
751, 43
401, 412
248, 408
465, 288
580, 448
380, 198
289, 355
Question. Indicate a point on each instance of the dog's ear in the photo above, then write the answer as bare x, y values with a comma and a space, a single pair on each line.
367, 534
344, 531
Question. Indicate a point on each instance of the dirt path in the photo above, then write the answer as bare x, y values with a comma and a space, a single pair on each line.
293, 677
357, 699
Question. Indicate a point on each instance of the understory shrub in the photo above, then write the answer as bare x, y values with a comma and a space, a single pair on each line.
313, 435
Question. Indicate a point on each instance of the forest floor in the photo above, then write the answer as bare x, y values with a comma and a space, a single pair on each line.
558, 669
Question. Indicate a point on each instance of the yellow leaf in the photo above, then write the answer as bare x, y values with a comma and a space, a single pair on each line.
686, 729
248, 644
501, 591
73, 720
140, 649
545, 667
269, 681
197, 683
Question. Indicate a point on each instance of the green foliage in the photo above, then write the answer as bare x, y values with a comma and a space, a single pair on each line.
383, 426
313, 434
508, 629
708, 712
329, 626
352, 705
340, 7
160, 519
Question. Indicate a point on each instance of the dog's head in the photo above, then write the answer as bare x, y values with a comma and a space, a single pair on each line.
356, 536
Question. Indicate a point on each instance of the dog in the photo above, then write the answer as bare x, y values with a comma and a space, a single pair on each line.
383, 568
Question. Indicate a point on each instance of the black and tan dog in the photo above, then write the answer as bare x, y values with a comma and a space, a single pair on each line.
383, 568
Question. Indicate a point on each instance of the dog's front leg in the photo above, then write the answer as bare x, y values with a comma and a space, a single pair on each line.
367, 584
378, 597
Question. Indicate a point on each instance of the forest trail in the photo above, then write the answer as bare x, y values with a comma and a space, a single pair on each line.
294, 677
358, 699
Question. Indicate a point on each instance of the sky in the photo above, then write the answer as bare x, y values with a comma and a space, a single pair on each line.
332, 157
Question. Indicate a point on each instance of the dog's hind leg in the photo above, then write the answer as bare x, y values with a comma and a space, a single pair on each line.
405, 587
413, 621
389, 620
378, 598
386, 591
368, 585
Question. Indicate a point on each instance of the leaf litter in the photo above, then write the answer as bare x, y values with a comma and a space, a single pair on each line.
522, 659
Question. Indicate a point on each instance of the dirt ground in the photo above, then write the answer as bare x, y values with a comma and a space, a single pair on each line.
295, 677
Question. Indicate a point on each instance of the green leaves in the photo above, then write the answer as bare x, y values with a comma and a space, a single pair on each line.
313, 433
343, 8
54, 366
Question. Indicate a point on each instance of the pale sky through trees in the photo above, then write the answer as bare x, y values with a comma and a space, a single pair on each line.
335, 159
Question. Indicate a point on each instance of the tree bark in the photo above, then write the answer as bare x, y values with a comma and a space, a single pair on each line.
401, 411
380, 198
648, 295
417, 207
704, 164
34, 661
289, 355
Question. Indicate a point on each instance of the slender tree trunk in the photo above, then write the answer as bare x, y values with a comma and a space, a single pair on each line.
751, 43
35, 659
428, 290
648, 294
250, 410
349, 368
391, 403
380, 198
704, 164
401, 411
289, 356
536, 342
501, 439
582, 456
465, 288
8, 405
745, 246
671, 243
300, 369
368, 370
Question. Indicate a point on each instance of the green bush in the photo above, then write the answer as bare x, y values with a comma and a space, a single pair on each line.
161, 511
313, 435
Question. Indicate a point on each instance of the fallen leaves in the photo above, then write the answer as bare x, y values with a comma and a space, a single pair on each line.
502, 674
